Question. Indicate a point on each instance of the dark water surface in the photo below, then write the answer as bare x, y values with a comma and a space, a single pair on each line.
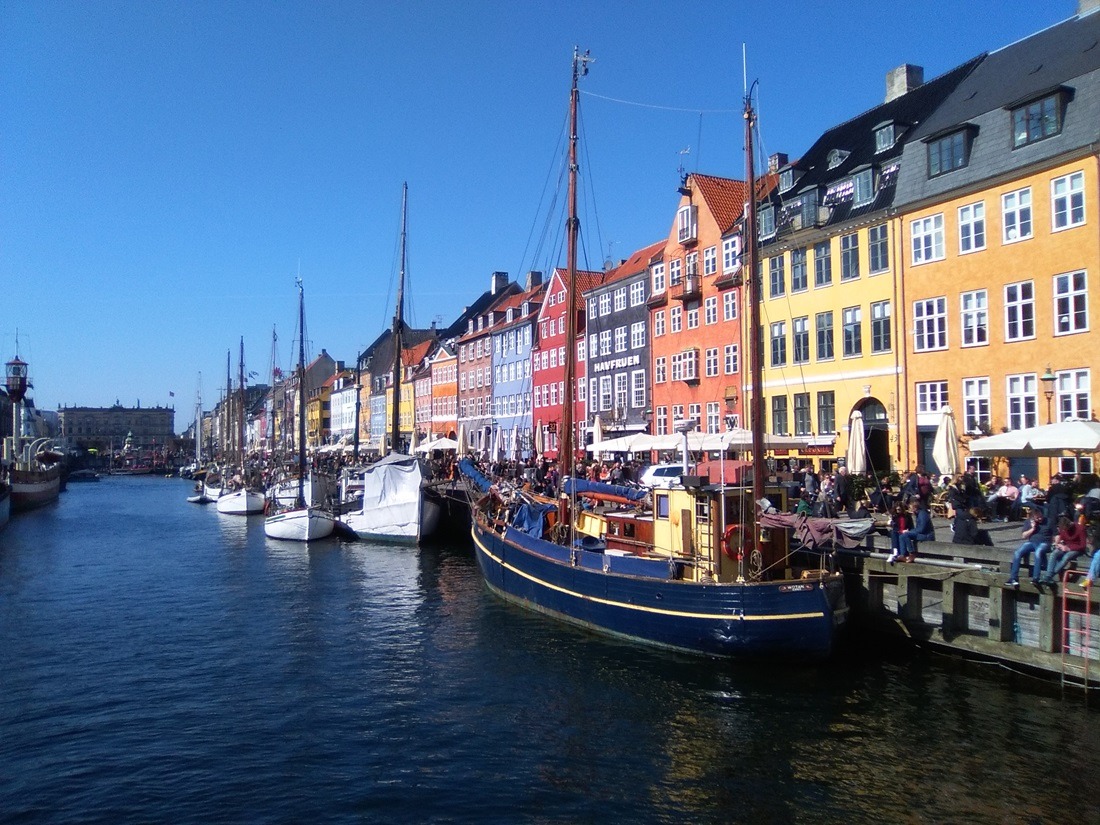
160, 662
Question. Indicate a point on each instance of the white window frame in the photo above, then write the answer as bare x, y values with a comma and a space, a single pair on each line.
710, 260
731, 359
658, 323
931, 396
974, 318
926, 239
729, 306
1073, 394
637, 335
1016, 215
1019, 311
972, 228
658, 279
619, 299
710, 310
930, 324
637, 389
1022, 398
976, 404
1068, 202
637, 293
1071, 303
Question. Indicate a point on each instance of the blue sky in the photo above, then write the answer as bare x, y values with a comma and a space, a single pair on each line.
166, 169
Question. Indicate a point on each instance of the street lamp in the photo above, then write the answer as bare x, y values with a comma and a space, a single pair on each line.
1048, 378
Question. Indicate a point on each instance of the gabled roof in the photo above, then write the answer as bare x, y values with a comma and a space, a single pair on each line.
724, 197
410, 356
485, 302
637, 263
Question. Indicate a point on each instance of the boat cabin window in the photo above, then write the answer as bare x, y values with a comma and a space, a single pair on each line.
660, 506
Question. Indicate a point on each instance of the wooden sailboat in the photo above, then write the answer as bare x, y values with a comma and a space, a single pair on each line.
303, 521
396, 504
699, 568
241, 501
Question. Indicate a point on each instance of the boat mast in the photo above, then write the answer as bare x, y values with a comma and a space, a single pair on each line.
565, 435
240, 408
226, 416
398, 323
301, 396
756, 359
198, 426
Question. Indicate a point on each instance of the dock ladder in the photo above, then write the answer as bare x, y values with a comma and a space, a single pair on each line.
1079, 641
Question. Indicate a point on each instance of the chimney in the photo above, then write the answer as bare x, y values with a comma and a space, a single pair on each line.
498, 283
534, 277
904, 79
1087, 7
776, 162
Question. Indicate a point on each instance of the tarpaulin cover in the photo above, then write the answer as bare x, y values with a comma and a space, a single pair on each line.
582, 486
467, 468
529, 517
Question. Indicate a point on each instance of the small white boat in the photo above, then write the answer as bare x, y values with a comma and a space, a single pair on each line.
306, 524
240, 503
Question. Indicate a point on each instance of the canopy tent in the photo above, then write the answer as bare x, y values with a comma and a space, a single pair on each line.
1045, 440
735, 439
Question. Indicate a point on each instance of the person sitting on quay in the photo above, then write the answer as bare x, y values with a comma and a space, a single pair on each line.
899, 523
922, 530
966, 530
1037, 536
1068, 545
882, 497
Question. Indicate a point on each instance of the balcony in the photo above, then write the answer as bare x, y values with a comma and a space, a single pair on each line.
689, 289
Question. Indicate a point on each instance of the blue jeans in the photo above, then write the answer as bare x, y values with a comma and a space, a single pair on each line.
1059, 560
1021, 554
1094, 568
908, 542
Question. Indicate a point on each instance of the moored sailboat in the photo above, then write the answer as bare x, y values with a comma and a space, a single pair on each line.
303, 521
703, 569
396, 504
237, 498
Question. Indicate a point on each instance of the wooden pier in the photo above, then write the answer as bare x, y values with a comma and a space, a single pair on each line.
953, 597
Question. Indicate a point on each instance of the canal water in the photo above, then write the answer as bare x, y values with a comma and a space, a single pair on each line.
160, 662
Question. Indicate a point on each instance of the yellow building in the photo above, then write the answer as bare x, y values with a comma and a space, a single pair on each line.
997, 214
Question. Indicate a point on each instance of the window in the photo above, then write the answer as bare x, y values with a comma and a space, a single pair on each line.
730, 359
660, 370
694, 411
948, 153
1022, 401
798, 270
731, 253
1037, 120
1071, 303
1074, 395
675, 271
637, 389
637, 293
853, 332
824, 323
620, 339
836, 157
676, 319
823, 264
710, 310
711, 362
971, 227
605, 304
729, 306
930, 324
1019, 311
878, 249
605, 392
1067, 196
605, 342
714, 421
687, 224
927, 239
777, 277
884, 137
808, 212
592, 305
863, 187
802, 423
710, 260
931, 396
661, 417
975, 318
786, 180
881, 333
620, 391
976, 405
693, 318
800, 340
1016, 215
658, 278
826, 412
637, 335
849, 257
658, 323
779, 414
767, 222
620, 299
779, 343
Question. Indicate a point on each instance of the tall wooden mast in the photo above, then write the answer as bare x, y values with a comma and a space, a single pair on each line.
398, 324
756, 359
565, 433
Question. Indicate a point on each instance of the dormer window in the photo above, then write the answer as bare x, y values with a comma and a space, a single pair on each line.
687, 224
526, 310
1039, 118
767, 222
948, 152
786, 179
885, 136
508, 315
836, 157
809, 208
863, 187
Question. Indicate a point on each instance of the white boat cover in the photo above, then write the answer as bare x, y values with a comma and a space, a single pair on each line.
391, 500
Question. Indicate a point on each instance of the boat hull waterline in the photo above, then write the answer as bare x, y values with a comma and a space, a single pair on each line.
31, 489
241, 503
788, 619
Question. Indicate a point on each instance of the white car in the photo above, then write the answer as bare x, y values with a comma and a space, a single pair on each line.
661, 475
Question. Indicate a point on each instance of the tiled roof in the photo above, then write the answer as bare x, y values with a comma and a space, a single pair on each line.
412, 355
724, 197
